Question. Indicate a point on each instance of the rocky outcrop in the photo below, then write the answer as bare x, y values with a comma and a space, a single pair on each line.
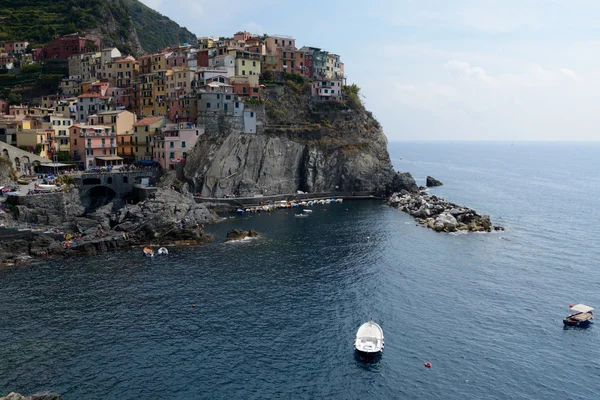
298, 148
54, 209
37, 396
432, 182
441, 215
168, 218
237, 234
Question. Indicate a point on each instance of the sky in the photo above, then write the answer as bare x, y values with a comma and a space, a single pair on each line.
439, 69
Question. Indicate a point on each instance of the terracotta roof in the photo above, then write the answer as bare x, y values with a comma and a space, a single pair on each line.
148, 121
85, 95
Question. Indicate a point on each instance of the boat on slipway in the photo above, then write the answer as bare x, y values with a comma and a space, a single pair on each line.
148, 252
581, 317
369, 340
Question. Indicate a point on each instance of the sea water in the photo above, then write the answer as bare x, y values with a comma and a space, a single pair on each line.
276, 317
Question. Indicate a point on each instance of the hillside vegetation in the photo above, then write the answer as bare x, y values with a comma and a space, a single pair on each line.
126, 24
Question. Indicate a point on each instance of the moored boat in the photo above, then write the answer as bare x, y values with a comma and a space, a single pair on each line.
163, 251
148, 252
300, 215
582, 317
369, 339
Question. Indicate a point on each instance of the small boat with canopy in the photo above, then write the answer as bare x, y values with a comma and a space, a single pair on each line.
369, 339
581, 317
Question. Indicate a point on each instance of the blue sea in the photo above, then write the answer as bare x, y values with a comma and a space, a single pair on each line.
275, 317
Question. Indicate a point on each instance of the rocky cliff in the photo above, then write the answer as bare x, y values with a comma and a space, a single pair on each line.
298, 146
168, 218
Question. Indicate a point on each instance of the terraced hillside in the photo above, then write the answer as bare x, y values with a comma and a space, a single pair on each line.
127, 24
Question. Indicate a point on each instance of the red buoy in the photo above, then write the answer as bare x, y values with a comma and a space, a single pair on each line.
428, 364
570, 305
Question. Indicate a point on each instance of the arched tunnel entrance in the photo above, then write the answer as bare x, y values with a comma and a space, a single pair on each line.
97, 197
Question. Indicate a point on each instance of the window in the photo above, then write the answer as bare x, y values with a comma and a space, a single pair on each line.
207, 105
171, 145
243, 62
237, 105
254, 90
254, 63
183, 144
228, 97
197, 133
243, 72
75, 142
251, 114
171, 155
184, 154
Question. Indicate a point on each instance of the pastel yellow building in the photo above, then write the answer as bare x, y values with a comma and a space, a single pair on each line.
125, 71
61, 125
146, 96
142, 131
247, 63
159, 92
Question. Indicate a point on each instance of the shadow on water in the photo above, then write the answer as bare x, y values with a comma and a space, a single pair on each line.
368, 363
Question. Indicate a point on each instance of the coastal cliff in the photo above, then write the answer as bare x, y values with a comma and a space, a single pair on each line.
298, 145
63, 228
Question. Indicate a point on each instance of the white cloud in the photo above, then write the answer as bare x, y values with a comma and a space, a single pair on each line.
569, 73
466, 71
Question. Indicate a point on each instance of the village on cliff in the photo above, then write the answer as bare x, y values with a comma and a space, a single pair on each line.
114, 109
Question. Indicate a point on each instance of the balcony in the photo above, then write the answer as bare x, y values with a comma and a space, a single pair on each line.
101, 146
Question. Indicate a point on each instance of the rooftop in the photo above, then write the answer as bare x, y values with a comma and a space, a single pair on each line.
148, 121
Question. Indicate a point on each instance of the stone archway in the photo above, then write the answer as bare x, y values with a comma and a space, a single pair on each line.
18, 164
25, 159
5, 154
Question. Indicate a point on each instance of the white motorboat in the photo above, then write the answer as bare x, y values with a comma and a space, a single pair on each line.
307, 211
163, 251
369, 339
300, 215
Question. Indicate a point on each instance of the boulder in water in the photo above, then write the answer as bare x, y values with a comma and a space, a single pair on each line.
432, 182
238, 234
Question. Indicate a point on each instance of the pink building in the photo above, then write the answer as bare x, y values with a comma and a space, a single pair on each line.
327, 90
99, 88
177, 59
93, 145
171, 146
242, 36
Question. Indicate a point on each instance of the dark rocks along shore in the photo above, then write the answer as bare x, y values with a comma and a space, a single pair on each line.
440, 214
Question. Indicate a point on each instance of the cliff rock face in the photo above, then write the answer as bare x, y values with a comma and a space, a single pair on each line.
5, 174
296, 147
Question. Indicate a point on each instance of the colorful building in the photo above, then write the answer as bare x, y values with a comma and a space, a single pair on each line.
68, 45
61, 126
247, 63
142, 131
93, 145
16, 47
327, 90
171, 146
